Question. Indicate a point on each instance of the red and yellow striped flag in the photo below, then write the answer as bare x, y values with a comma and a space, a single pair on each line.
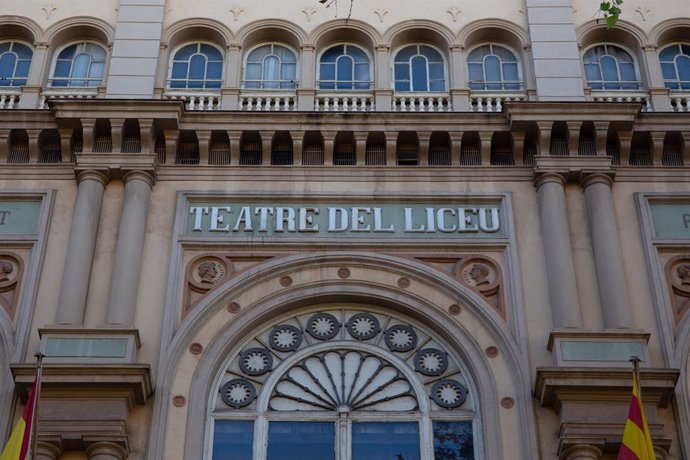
17, 446
637, 442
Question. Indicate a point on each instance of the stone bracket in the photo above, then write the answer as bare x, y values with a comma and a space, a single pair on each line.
116, 165
573, 168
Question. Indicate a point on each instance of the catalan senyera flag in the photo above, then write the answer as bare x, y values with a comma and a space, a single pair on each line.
17, 446
637, 442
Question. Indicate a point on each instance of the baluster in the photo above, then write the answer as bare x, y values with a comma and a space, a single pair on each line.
687, 105
430, 104
676, 104
489, 104
276, 104
286, 103
413, 103
480, 104
422, 107
363, 103
403, 104
372, 105
3, 98
336, 103
13, 98
250, 104
267, 105
499, 105
212, 103
346, 100
201, 104
259, 103
439, 103
316, 104
648, 105
192, 103
327, 104
42, 102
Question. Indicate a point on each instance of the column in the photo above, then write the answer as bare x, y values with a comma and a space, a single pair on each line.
47, 451
81, 247
124, 284
31, 92
306, 92
383, 91
608, 257
658, 91
581, 452
103, 450
459, 92
560, 270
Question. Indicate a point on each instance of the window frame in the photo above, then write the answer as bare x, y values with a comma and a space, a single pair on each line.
636, 65
14, 77
677, 82
370, 62
520, 82
444, 58
106, 60
171, 62
261, 82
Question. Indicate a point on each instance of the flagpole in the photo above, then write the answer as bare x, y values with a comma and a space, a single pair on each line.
34, 412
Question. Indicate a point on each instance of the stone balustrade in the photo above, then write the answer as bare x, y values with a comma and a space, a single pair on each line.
422, 102
338, 102
493, 102
196, 100
268, 102
66, 93
9, 99
623, 96
680, 102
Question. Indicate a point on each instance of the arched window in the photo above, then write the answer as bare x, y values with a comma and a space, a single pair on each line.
419, 68
344, 67
79, 65
15, 60
610, 67
271, 67
493, 68
343, 383
675, 66
196, 66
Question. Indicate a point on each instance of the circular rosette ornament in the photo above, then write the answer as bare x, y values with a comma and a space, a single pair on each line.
363, 326
401, 338
449, 393
255, 361
431, 361
285, 338
323, 326
237, 393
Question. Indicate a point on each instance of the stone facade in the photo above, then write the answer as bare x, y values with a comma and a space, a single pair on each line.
222, 220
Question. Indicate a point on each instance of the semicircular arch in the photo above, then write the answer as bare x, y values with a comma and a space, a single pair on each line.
271, 30
315, 280
340, 30
419, 30
197, 30
493, 30
20, 27
670, 30
79, 28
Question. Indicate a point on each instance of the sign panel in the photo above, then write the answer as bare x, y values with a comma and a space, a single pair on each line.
261, 219
671, 220
19, 217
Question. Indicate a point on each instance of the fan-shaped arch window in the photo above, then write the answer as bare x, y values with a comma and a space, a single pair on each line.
610, 67
493, 67
15, 60
271, 66
419, 68
344, 383
344, 67
196, 66
675, 66
79, 65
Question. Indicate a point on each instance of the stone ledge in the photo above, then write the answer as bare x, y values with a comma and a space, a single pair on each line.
103, 381
556, 385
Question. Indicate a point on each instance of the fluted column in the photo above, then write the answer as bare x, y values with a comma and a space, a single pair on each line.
560, 270
104, 450
581, 452
608, 257
130, 246
47, 451
80, 249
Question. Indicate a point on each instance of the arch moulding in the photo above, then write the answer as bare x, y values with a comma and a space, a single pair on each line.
318, 279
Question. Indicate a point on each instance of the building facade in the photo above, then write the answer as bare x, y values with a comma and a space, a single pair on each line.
379, 230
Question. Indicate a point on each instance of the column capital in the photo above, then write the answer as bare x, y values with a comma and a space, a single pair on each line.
550, 177
144, 176
307, 47
48, 450
92, 174
102, 450
581, 452
382, 47
597, 178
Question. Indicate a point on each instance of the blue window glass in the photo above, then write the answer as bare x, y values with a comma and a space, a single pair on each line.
344, 67
385, 441
15, 60
493, 67
271, 67
301, 441
675, 66
453, 441
79, 65
419, 68
609, 67
196, 66
232, 439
